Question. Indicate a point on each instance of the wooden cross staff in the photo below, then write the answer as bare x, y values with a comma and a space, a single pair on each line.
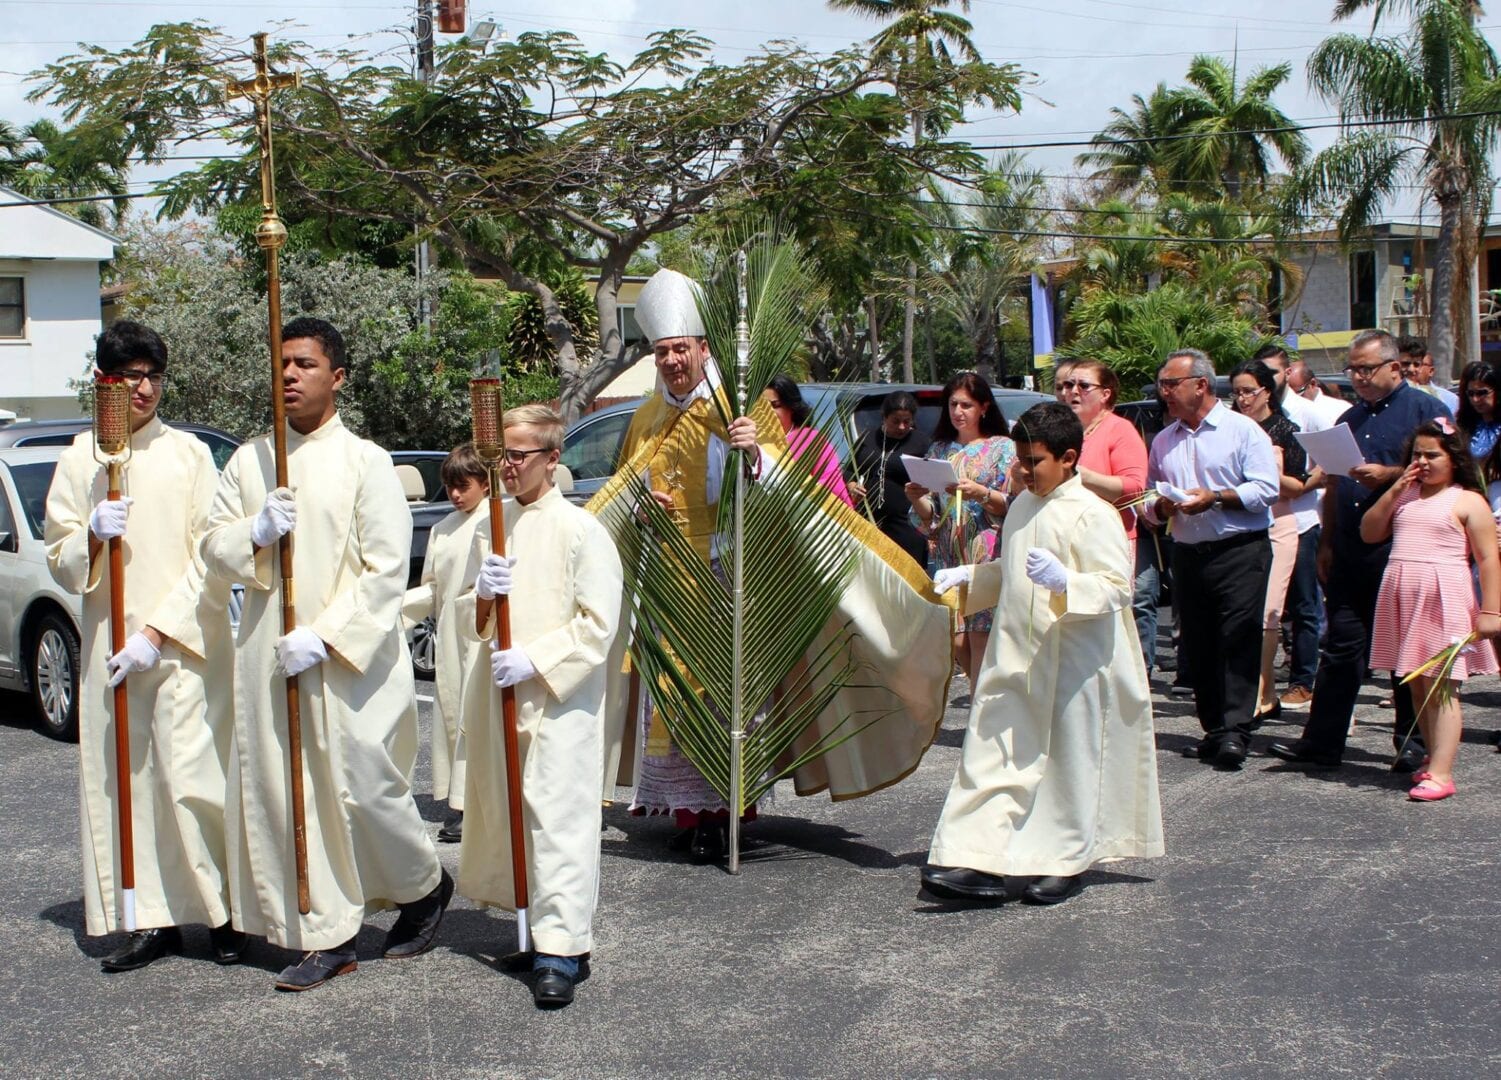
271, 234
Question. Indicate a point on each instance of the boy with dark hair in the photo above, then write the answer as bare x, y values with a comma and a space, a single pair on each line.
179, 632
367, 845
1059, 767
454, 552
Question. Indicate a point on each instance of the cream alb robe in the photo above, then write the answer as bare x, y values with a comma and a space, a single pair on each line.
565, 612
454, 553
1059, 768
179, 721
367, 845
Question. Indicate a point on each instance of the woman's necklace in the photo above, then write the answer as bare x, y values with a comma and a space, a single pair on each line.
1094, 424
880, 478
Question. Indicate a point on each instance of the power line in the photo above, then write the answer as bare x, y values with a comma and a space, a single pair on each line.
1189, 135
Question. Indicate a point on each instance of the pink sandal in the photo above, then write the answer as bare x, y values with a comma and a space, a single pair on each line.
1430, 790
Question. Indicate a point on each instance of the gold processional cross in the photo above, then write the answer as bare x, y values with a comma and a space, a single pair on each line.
270, 234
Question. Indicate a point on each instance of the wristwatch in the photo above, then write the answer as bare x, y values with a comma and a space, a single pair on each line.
1219, 499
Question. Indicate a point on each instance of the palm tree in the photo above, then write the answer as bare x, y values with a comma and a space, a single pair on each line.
1213, 135
1128, 154
1231, 131
977, 271
44, 161
1424, 89
922, 40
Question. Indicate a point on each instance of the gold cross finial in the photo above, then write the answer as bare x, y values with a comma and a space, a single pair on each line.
271, 233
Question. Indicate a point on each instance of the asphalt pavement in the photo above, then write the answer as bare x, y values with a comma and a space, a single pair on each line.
1301, 924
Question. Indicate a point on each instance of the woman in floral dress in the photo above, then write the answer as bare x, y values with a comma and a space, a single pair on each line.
965, 520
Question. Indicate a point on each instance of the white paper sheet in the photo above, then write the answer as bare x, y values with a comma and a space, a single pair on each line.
933, 474
1174, 494
1334, 450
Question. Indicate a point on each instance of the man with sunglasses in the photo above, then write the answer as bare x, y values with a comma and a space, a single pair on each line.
179, 715
1223, 478
1387, 412
367, 845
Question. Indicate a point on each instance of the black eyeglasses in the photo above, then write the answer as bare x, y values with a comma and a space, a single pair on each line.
1079, 385
133, 379
1169, 385
518, 457
1365, 371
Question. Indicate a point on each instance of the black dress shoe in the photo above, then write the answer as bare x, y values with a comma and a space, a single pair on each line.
318, 967
227, 943
142, 947
1232, 751
417, 927
682, 840
1204, 749
710, 840
962, 883
453, 828
1299, 753
1053, 890
554, 990
1261, 716
1408, 761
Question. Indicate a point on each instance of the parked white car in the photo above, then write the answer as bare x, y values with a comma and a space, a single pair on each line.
39, 622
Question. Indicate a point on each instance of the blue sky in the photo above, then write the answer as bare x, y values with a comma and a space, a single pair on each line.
1087, 55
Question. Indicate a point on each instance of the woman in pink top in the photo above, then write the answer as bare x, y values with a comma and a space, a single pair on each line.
1114, 462
1438, 521
786, 400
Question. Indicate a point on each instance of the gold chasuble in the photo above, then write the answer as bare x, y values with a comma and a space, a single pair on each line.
899, 629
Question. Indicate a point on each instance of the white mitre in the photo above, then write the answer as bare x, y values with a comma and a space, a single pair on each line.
668, 307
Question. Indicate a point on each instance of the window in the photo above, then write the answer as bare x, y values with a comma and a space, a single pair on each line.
590, 449
12, 307
630, 329
1362, 290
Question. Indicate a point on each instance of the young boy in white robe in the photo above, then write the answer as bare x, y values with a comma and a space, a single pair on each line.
367, 845
179, 718
1058, 770
563, 577
454, 552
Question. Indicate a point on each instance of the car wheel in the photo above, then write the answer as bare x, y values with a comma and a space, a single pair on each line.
424, 648
54, 676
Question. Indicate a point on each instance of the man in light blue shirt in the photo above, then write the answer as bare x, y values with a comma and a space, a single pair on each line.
1223, 479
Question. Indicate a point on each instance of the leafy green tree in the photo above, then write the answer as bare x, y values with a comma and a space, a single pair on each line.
522, 159
408, 383
1436, 91
528, 348
1129, 152
1133, 332
925, 44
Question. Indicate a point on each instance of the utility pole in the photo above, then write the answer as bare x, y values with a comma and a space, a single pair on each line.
425, 75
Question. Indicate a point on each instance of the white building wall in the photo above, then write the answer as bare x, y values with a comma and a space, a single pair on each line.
1324, 303
62, 320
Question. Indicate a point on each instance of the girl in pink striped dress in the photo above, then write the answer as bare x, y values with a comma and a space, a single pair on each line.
1438, 520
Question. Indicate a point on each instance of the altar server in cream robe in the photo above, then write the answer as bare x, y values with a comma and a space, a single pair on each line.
179, 718
1059, 768
454, 551
564, 580
367, 846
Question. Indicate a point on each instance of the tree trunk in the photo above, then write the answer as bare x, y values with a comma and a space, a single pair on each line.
1441, 328
909, 309
875, 339
927, 326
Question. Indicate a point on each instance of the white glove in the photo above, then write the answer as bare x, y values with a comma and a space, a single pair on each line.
510, 666
952, 577
298, 651
108, 519
1044, 569
137, 654
494, 577
277, 518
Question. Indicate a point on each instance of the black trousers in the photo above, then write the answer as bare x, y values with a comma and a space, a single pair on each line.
1221, 591
1350, 598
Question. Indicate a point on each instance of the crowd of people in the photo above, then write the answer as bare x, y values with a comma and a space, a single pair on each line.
1036, 572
